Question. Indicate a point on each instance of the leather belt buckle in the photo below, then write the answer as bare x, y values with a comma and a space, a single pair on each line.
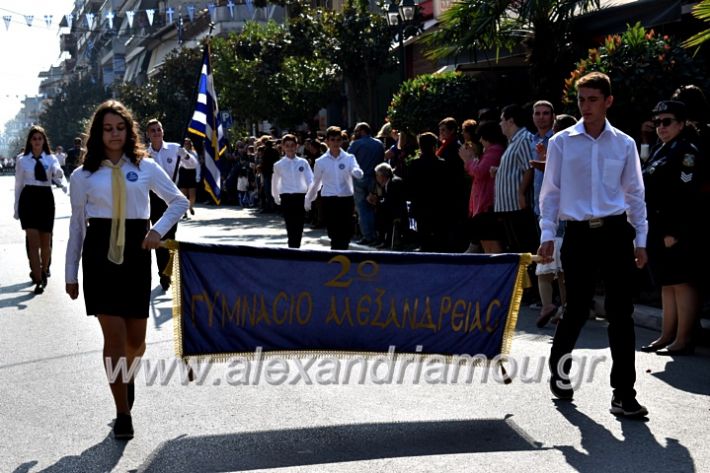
596, 223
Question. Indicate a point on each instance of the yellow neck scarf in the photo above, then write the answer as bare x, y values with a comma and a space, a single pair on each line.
118, 218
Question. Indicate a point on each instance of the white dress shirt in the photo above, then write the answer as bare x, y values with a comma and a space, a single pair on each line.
587, 178
91, 197
25, 174
291, 176
335, 175
188, 159
167, 156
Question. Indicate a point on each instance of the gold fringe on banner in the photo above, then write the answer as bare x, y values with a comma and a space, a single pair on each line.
508, 332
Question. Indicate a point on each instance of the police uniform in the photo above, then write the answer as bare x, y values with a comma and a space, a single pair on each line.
117, 289
34, 201
672, 180
291, 179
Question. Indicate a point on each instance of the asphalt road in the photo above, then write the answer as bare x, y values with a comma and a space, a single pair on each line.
56, 410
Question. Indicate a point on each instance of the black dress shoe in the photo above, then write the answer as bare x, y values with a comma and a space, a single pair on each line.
654, 347
165, 282
685, 351
123, 428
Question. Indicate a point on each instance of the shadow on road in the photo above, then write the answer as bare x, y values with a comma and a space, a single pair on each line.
637, 451
331, 444
103, 456
7, 293
688, 373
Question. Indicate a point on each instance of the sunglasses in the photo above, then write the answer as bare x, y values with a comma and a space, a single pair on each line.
663, 121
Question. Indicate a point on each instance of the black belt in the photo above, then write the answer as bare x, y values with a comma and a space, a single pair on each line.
597, 222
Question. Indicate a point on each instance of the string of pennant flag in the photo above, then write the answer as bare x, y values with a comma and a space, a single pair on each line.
89, 20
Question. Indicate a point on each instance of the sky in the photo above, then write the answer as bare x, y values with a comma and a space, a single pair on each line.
26, 51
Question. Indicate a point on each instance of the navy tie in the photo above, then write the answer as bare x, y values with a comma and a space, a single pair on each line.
40, 173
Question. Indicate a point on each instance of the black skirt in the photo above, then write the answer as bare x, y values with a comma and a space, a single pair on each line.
116, 289
36, 208
187, 178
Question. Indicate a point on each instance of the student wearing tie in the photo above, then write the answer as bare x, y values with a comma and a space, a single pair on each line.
111, 234
34, 202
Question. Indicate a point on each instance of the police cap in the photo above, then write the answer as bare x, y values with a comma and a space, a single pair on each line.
678, 109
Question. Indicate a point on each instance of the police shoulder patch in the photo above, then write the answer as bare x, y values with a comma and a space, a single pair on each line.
689, 160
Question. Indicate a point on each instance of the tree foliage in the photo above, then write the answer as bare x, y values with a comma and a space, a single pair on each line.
169, 95
644, 68
68, 113
702, 12
425, 100
484, 28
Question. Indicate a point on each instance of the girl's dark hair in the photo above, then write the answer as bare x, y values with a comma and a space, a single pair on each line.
427, 143
95, 153
33, 130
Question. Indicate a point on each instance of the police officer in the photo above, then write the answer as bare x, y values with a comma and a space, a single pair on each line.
672, 179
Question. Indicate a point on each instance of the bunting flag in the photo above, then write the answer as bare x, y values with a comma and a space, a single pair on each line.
129, 16
7, 19
206, 123
150, 13
70, 20
191, 12
48, 20
28, 19
230, 7
110, 16
213, 11
90, 20
235, 300
169, 13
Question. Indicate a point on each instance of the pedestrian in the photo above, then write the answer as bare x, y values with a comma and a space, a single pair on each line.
166, 155
333, 176
369, 152
34, 202
110, 234
592, 178
484, 224
189, 173
673, 178
291, 179
549, 273
73, 156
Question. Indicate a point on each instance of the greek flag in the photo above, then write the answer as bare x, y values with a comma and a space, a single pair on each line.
206, 123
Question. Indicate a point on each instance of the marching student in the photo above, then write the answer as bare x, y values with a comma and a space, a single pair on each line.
189, 173
291, 179
110, 234
334, 172
34, 201
168, 157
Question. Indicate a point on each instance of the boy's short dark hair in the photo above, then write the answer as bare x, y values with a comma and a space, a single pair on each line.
289, 137
450, 123
596, 80
333, 131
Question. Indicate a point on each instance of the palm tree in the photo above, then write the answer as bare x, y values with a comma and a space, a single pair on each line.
701, 11
541, 27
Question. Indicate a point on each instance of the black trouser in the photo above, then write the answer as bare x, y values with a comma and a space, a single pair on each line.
338, 215
294, 215
608, 251
157, 209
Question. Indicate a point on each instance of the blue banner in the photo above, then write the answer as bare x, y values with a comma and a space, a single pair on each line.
235, 299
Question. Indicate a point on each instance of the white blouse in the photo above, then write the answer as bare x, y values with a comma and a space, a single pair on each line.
91, 197
25, 174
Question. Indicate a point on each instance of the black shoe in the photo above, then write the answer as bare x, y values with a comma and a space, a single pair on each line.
39, 289
627, 408
131, 390
165, 282
44, 279
192, 211
123, 428
49, 275
654, 347
559, 389
685, 351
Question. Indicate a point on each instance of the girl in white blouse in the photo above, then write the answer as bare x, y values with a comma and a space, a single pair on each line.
110, 233
34, 202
